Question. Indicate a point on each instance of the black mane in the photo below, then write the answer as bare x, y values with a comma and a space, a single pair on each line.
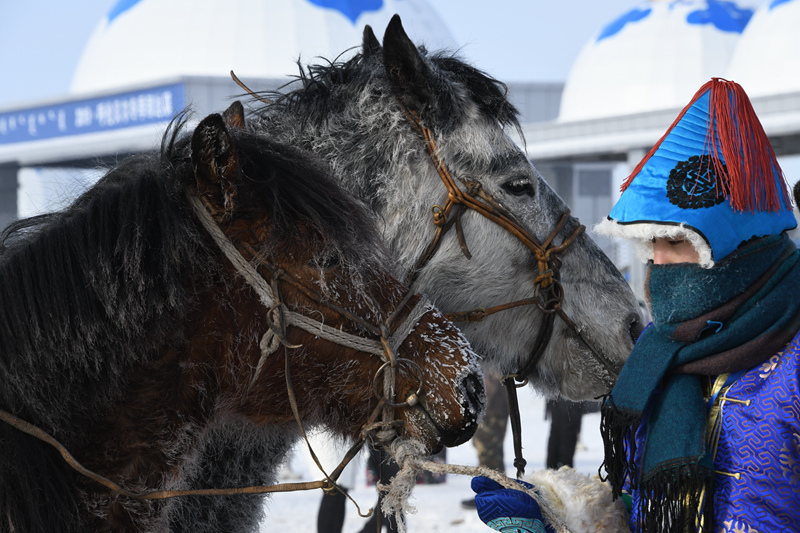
84, 293
296, 189
87, 290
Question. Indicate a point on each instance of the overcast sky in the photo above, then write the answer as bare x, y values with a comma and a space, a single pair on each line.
514, 40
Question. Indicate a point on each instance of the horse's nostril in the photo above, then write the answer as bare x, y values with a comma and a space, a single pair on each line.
476, 394
473, 404
635, 327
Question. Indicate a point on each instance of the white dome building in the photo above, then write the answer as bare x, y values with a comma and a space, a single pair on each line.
140, 41
655, 56
767, 58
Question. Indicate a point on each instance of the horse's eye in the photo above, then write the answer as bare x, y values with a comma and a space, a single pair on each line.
519, 187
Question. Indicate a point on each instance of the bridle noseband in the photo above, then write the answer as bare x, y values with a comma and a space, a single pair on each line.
548, 292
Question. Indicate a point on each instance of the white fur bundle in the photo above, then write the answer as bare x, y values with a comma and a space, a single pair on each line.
570, 501
582, 504
644, 233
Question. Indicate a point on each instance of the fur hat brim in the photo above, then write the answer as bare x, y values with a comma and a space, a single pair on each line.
644, 233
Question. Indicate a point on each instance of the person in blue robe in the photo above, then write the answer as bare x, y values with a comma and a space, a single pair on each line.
702, 428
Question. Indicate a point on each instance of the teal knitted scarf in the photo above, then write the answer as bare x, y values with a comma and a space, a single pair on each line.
705, 322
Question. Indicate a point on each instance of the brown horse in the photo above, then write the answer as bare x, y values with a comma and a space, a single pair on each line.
163, 310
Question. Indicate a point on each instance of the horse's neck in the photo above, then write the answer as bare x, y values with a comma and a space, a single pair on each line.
261, 449
164, 408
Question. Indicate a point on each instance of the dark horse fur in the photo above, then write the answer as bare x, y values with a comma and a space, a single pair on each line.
126, 335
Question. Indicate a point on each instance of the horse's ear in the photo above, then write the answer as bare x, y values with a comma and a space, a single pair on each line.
216, 164
234, 116
370, 45
406, 67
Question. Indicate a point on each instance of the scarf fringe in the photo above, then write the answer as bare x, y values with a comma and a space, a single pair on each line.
678, 498
618, 429
673, 498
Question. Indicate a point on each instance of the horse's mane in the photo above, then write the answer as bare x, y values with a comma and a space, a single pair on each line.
321, 89
295, 188
90, 290
84, 293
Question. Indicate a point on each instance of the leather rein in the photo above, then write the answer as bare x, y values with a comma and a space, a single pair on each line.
548, 292
391, 333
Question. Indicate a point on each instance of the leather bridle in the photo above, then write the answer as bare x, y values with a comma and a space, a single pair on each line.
548, 292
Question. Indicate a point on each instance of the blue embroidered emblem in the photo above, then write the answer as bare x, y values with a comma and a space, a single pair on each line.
725, 16
121, 7
634, 15
351, 9
776, 3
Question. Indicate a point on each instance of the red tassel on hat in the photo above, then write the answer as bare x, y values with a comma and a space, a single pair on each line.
753, 179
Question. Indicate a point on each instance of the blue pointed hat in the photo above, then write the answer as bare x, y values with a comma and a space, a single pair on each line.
712, 178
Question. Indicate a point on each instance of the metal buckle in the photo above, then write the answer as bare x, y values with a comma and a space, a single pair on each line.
413, 398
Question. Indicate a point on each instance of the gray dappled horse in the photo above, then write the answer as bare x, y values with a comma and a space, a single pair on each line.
354, 115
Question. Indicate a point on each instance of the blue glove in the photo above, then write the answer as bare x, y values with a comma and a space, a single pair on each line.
508, 510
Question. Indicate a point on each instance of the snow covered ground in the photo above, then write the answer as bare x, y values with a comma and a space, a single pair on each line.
438, 506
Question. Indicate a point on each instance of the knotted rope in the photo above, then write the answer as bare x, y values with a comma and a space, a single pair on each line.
411, 458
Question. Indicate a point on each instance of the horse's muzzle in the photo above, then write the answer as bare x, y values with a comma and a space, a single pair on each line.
472, 407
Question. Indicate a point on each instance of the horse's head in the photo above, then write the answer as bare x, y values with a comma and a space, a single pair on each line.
367, 118
486, 262
346, 332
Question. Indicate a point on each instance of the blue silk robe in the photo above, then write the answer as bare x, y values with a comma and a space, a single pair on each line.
754, 428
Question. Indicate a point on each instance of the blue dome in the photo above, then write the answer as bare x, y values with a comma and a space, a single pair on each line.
653, 56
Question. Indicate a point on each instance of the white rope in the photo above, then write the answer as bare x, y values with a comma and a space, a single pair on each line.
411, 458
242, 266
269, 344
318, 329
410, 323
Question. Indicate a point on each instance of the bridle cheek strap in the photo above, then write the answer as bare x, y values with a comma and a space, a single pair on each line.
549, 292
476, 199
280, 318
